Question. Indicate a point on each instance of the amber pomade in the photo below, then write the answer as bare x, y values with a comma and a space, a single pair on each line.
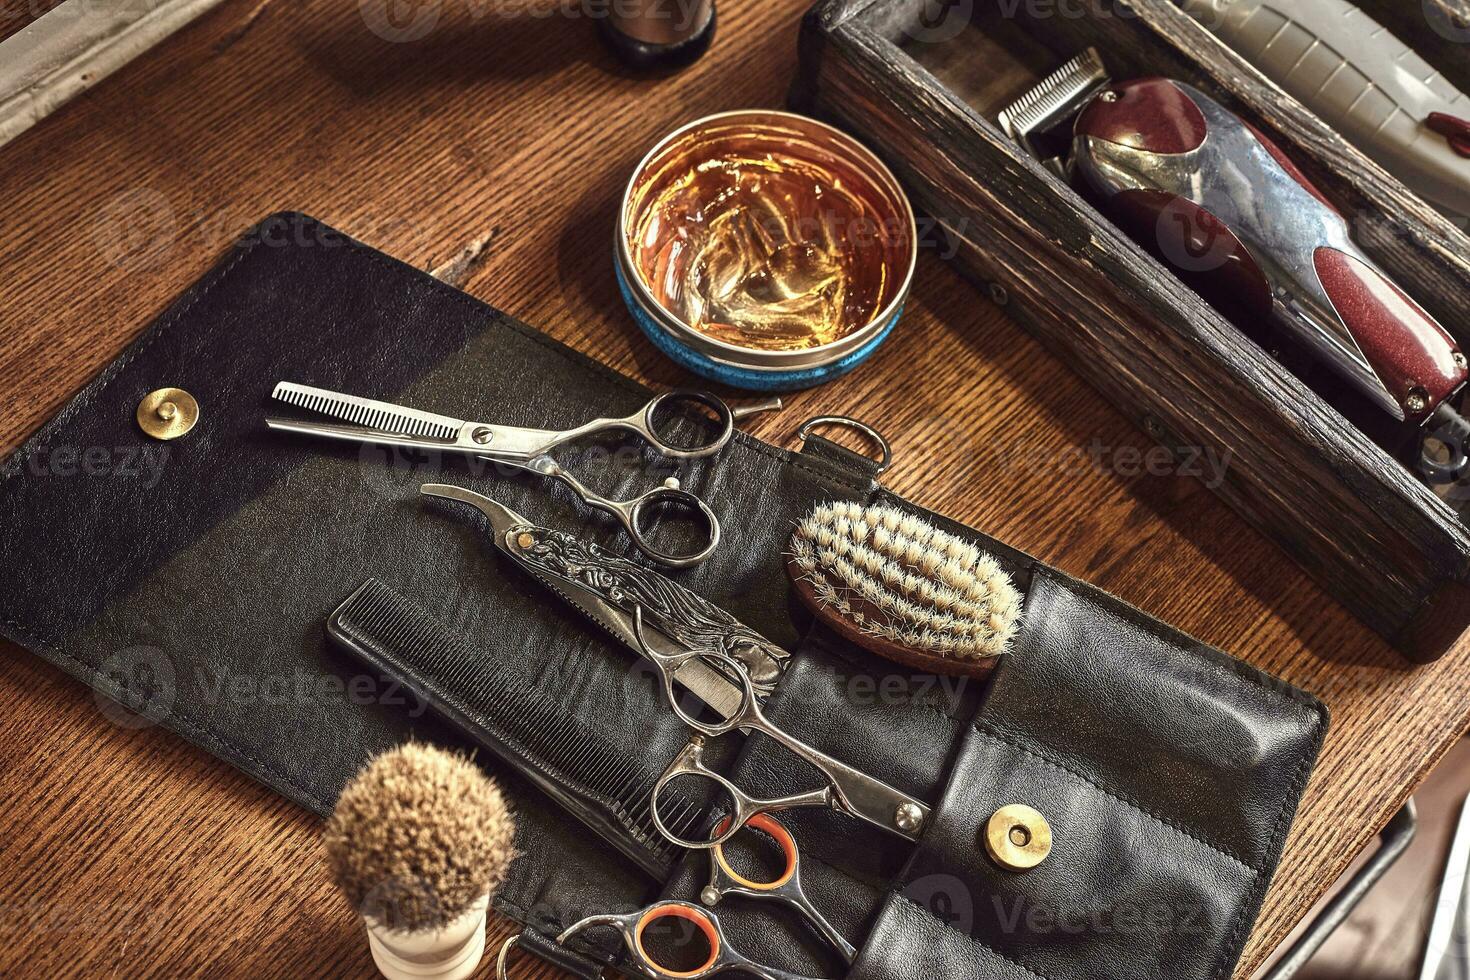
769, 232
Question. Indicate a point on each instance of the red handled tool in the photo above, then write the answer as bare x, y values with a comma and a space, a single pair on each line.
1228, 206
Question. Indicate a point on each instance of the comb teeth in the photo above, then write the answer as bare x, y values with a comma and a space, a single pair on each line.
1055, 97
364, 412
540, 734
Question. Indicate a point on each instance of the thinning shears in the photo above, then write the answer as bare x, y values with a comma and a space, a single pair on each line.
386, 424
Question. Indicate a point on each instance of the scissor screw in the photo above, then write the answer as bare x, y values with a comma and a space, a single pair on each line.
710, 896
908, 818
482, 435
672, 483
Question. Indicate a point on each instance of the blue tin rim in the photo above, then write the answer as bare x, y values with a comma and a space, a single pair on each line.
745, 378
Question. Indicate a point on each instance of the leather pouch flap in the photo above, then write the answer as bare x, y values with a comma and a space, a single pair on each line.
1169, 775
909, 943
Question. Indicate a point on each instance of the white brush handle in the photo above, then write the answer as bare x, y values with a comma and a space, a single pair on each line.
1359, 78
450, 953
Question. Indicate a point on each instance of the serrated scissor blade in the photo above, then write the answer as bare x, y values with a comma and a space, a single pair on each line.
381, 416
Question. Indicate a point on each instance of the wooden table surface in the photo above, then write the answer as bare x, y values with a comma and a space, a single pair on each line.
507, 131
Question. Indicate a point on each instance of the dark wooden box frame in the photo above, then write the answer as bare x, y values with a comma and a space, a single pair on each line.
1360, 523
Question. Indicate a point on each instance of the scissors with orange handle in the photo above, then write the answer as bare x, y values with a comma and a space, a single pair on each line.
786, 888
634, 927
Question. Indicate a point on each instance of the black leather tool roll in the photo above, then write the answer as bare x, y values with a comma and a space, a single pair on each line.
191, 581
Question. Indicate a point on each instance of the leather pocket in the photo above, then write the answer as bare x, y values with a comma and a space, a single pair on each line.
1168, 774
910, 943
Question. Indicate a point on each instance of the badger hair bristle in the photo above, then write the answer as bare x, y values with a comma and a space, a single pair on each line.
898, 578
418, 837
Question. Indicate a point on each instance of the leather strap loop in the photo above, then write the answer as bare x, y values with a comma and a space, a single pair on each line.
575, 963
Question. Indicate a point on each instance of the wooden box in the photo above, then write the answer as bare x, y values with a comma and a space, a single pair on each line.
922, 81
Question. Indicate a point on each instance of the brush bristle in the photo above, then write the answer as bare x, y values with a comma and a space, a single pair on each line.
898, 578
418, 837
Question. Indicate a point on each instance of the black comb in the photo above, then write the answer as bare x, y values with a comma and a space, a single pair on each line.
590, 778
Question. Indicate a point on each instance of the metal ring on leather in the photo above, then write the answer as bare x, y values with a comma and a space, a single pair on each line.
504, 957
850, 423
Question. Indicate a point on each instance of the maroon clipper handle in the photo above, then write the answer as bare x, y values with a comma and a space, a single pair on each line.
1223, 202
1452, 128
1410, 351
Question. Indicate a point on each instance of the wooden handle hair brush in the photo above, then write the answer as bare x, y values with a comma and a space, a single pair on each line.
903, 589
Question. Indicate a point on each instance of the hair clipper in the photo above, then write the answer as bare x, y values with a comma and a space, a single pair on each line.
1229, 207
1362, 81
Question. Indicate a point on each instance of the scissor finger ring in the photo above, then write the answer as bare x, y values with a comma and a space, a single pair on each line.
632, 518
722, 869
721, 956
724, 420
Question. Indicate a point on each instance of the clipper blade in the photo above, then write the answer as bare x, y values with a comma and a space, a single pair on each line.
1055, 100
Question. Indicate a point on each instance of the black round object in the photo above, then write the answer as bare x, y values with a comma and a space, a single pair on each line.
647, 56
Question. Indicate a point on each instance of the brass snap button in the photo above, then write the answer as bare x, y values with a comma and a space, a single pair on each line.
1018, 838
167, 413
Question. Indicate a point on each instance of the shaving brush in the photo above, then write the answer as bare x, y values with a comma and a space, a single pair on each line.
418, 842
902, 588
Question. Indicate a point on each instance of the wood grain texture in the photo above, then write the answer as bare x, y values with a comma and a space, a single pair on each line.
133, 854
1302, 473
17, 15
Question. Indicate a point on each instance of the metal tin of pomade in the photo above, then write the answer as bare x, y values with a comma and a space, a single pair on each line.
765, 250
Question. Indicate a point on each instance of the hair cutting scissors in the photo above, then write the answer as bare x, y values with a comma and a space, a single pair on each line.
387, 424
724, 880
707, 653
634, 927
848, 790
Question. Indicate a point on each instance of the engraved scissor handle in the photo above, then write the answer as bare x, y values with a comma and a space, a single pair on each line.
724, 880
633, 928
848, 790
